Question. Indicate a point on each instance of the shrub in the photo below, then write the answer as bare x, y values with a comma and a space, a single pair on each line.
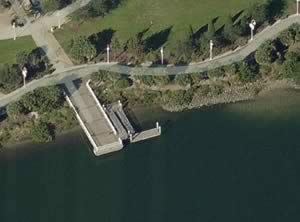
123, 83
41, 132
183, 80
15, 109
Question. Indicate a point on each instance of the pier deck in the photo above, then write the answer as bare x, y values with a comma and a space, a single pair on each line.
106, 127
96, 125
147, 134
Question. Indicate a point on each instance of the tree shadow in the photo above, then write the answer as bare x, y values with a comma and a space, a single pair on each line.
156, 40
276, 8
237, 16
101, 39
141, 34
214, 20
196, 35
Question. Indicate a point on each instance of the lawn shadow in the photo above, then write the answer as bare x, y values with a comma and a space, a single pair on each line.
276, 8
101, 39
158, 39
236, 17
196, 35
141, 34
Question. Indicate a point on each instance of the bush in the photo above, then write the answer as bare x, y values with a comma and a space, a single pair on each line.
179, 97
216, 73
147, 80
10, 77
122, 83
247, 72
15, 109
291, 67
266, 54
183, 80
82, 49
43, 99
41, 132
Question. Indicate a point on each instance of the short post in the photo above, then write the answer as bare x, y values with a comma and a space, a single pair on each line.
14, 28
211, 45
130, 137
158, 128
252, 27
107, 52
298, 7
162, 55
52, 29
24, 73
119, 102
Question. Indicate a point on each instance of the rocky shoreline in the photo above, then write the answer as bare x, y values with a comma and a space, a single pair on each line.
233, 94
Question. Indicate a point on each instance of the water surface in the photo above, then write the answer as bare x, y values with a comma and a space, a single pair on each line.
234, 163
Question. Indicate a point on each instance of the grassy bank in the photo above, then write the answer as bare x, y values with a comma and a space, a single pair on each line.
136, 15
9, 48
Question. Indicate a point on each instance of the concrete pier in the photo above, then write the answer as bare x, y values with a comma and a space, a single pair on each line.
93, 119
106, 127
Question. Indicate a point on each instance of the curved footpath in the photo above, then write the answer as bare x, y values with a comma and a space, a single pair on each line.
64, 75
227, 58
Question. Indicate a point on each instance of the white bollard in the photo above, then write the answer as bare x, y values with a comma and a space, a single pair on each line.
14, 27
162, 55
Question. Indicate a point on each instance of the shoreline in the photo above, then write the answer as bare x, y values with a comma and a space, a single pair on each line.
235, 94
12, 144
230, 96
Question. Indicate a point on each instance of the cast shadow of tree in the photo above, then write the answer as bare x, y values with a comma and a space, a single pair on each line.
156, 40
276, 8
101, 39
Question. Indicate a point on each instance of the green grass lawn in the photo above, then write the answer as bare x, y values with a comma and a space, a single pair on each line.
135, 15
9, 48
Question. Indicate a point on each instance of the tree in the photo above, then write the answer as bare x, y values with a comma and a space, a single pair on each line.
98, 8
258, 12
136, 48
183, 51
266, 53
211, 32
10, 77
82, 49
242, 28
230, 33
22, 58
41, 132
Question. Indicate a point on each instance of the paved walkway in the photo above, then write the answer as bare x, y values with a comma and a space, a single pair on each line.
50, 19
64, 74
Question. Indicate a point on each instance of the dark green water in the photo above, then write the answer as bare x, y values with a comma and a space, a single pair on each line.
234, 163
